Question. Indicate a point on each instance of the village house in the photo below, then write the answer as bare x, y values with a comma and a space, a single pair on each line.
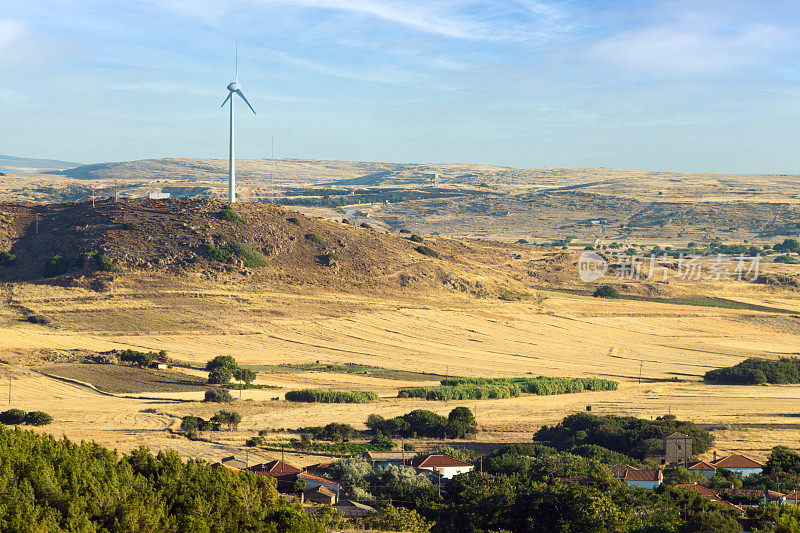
677, 449
320, 494
351, 509
274, 469
647, 479
739, 464
703, 467
710, 495
386, 458
230, 463
443, 465
792, 497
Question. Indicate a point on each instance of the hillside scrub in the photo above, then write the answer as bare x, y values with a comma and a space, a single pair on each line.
628, 435
7, 259
56, 266
250, 257
330, 396
313, 237
57, 485
228, 214
606, 291
755, 371
493, 388
425, 250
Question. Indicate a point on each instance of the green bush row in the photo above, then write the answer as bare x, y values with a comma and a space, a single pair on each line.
330, 396
494, 388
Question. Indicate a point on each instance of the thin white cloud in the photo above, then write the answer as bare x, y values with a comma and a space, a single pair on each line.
12, 31
681, 48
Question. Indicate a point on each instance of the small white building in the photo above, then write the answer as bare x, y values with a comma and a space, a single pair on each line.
703, 467
740, 465
443, 465
646, 479
158, 195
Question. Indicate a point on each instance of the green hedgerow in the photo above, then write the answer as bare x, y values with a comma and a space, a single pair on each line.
330, 396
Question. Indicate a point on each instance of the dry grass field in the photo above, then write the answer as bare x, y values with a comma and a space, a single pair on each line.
446, 333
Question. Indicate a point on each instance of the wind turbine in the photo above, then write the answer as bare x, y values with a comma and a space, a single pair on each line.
233, 88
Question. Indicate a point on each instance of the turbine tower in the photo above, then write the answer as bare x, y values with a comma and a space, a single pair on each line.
233, 88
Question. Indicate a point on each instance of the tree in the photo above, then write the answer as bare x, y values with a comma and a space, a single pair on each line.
788, 245
12, 417
606, 291
220, 376
391, 518
222, 361
461, 422
220, 395
38, 418
244, 374
230, 418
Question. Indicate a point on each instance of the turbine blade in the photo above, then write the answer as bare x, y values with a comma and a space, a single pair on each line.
226, 100
240, 93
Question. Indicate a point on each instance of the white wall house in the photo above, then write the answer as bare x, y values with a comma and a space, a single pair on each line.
443, 465
739, 464
646, 479
703, 467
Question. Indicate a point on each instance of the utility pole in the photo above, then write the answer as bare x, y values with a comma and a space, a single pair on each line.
93, 196
116, 193
9, 389
640, 371
273, 147
37, 223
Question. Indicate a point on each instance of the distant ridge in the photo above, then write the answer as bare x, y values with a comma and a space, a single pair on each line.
29, 165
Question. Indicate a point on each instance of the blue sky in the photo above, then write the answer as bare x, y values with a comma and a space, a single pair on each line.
682, 85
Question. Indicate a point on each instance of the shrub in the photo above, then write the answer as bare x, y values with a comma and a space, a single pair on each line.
606, 291
293, 220
38, 418
250, 257
424, 250
786, 258
56, 266
7, 259
143, 359
227, 213
220, 395
254, 441
12, 417
522, 241
330, 396
415, 238
365, 225
345, 221
404, 230
40, 320
215, 253
313, 237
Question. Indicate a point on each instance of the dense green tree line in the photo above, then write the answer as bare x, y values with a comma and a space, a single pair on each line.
493, 388
755, 371
624, 434
421, 423
58, 485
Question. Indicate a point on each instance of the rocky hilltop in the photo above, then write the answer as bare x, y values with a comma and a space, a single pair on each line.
210, 239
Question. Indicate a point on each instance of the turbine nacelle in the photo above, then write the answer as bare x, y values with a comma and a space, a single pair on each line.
233, 86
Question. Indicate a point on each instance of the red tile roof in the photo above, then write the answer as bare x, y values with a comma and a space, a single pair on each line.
736, 461
274, 468
793, 495
306, 475
643, 475
436, 460
704, 491
702, 465
322, 489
